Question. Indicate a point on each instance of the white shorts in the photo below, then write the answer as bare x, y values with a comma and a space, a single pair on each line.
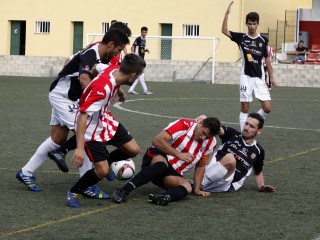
63, 109
253, 84
221, 185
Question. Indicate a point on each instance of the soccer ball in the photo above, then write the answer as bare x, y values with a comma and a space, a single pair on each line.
124, 169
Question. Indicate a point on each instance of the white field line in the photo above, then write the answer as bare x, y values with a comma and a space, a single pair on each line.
120, 107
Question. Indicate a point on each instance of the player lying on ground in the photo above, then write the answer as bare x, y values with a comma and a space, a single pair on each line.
182, 145
236, 157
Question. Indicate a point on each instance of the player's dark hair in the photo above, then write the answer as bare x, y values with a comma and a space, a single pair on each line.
252, 16
301, 41
113, 21
258, 117
121, 26
144, 29
117, 36
132, 63
213, 124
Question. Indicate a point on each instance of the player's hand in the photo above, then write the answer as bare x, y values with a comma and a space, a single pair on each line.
229, 8
187, 157
147, 50
201, 118
273, 82
121, 95
202, 193
267, 188
78, 157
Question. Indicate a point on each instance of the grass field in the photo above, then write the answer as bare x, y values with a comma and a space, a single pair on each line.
291, 139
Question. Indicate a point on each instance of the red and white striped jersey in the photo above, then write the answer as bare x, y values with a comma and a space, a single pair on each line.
271, 55
98, 95
183, 140
116, 60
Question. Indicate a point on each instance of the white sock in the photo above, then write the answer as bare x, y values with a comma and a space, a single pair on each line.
242, 119
262, 113
216, 172
87, 165
131, 89
39, 157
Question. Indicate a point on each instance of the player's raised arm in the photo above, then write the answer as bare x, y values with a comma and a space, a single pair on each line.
225, 29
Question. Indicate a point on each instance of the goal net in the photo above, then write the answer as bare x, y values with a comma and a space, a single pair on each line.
171, 58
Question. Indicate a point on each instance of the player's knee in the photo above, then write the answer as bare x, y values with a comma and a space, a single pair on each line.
59, 134
267, 109
187, 186
135, 150
101, 172
228, 161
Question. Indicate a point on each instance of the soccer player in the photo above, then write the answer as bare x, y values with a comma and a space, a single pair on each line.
253, 48
271, 54
182, 145
64, 95
58, 155
236, 157
96, 127
139, 48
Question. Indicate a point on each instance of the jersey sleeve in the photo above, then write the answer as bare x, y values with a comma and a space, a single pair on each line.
266, 50
101, 66
92, 101
236, 37
87, 60
258, 165
228, 133
136, 41
177, 126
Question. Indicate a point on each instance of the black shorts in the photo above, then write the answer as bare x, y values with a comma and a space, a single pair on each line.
121, 137
97, 151
147, 158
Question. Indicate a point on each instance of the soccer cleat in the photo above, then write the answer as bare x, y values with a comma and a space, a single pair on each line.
73, 199
29, 181
111, 176
159, 199
148, 93
95, 192
59, 158
133, 92
119, 196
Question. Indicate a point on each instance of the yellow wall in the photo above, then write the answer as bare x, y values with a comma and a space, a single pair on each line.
207, 13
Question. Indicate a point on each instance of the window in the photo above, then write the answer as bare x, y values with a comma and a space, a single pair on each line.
105, 27
42, 27
191, 30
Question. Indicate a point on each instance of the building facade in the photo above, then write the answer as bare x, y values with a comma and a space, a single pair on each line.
60, 28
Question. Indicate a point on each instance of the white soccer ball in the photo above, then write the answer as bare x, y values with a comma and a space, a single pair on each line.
124, 169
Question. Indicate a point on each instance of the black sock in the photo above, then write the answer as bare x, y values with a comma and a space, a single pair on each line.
145, 175
176, 193
69, 145
117, 155
87, 180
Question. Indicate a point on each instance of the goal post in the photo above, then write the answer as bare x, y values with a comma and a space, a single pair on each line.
179, 58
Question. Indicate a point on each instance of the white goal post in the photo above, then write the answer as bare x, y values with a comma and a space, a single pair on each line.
176, 58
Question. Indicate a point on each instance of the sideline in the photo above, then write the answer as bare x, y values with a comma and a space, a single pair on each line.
295, 155
64, 219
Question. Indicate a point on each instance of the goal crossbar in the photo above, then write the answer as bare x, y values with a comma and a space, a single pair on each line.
214, 40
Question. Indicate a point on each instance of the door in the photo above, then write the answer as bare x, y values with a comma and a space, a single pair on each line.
166, 44
77, 36
17, 38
